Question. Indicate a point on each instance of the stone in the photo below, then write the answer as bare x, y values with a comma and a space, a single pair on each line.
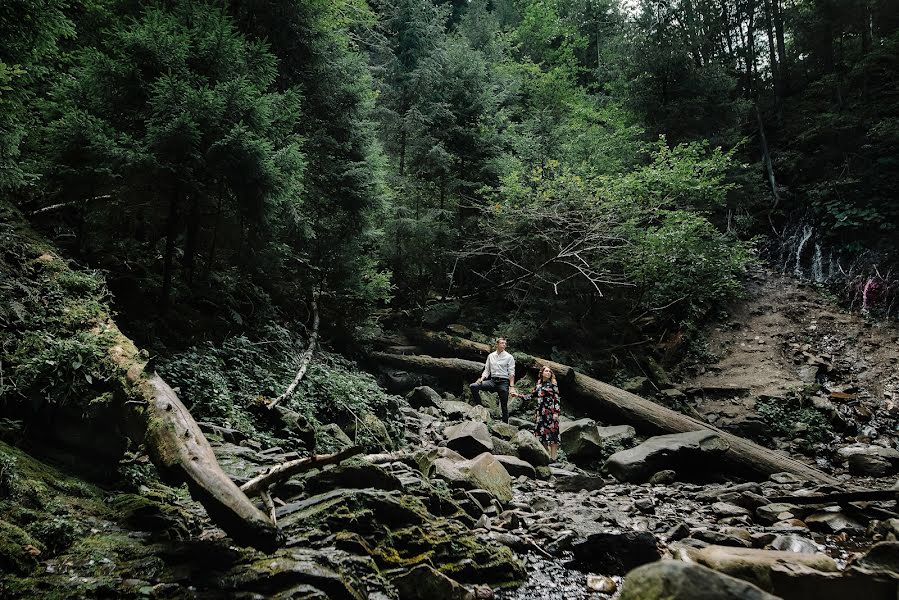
677, 532
870, 460
831, 521
504, 430
426, 583
501, 446
371, 425
614, 553
355, 474
469, 438
296, 426
574, 482
334, 434
882, 557
521, 423
437, 316
580, 440
784, 478
664, 477
601, 584
636, 385
399, 382
455, 409
515, 466
725, 509
771, 513
793, 543
483, 471
684, 452
423, 396
530, 449
755, 566
479, 413
677, 580
720, 538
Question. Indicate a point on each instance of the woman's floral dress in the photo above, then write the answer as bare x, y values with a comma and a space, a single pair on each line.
548, 409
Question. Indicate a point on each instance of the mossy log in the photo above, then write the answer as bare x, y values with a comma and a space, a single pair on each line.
181, 452
117, 395
615, 405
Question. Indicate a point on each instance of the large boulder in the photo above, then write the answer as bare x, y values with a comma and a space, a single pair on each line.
869, 460
530, 449
583, 441
455, 409
515, 466
676, 580
424, 396
686, 453
469, 438
482, 471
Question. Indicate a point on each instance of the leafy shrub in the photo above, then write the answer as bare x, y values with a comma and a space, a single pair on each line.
782, 416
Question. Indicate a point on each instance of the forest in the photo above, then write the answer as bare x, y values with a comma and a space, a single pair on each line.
213, 195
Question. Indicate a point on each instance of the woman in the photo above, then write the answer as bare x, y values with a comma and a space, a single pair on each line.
546, 393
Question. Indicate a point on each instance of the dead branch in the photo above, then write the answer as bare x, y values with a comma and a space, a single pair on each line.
304, 361
279, 473
55, 207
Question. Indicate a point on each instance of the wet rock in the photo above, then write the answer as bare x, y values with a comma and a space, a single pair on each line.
530, 449
356, 474
615, 553
483, 471
676, 580
515, 466
678, 532
469, 438
580, 440
784, 478
425, 583
720, 538
424, 396
679, 451
883, 557
574, 482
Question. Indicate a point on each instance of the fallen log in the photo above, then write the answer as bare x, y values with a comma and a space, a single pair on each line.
304, 360
137, 405
615, 405
839, 497
284, 471
443, 367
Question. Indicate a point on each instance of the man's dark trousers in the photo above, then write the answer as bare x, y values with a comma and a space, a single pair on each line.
494, 384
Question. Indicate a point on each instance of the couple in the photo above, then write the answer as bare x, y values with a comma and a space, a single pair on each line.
499, 377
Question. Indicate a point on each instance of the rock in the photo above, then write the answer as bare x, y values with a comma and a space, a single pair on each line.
504, 430
831, 521
614, 553
672, 394
501, 446
684, 452
771, 513
399, 382
16, 554
543, 472
356, 474
425, 583
883, 557
719, 538
784, 478
483, 471
676, 580
755, 566
521, 423
479, 413
469, 438
530, 449
226, 433
663, 477
580, 440
424, 396
677, 532
455, 409
332, 433
575, 482
871, 461
295, 425
793, 543
725, 509
515, 466
601, 584
438, 316
371, 427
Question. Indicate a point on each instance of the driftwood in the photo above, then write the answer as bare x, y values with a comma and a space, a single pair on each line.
611, 404
279, 473
304, 360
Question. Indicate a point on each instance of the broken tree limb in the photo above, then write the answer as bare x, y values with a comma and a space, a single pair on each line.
304, 360
269, 505
284, 471
839, 497
615, 405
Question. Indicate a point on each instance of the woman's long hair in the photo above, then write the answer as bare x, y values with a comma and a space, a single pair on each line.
552, 375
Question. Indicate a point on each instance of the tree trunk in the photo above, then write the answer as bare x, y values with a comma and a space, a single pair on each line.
613, 405
168, 259
304, 360
772, 58
192, 240
766, 158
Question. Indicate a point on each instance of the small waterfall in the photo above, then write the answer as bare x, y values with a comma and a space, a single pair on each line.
807, 231
817, 265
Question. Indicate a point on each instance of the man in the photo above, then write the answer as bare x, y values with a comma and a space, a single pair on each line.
498, 376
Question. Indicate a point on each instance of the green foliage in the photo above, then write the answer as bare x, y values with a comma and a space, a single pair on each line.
783, 416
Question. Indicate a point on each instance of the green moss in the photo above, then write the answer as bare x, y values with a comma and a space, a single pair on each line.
16, 555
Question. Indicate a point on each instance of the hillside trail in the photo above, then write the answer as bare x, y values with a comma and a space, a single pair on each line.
788, 338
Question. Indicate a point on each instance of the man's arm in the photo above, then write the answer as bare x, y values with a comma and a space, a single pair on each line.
486, 372
512, 372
